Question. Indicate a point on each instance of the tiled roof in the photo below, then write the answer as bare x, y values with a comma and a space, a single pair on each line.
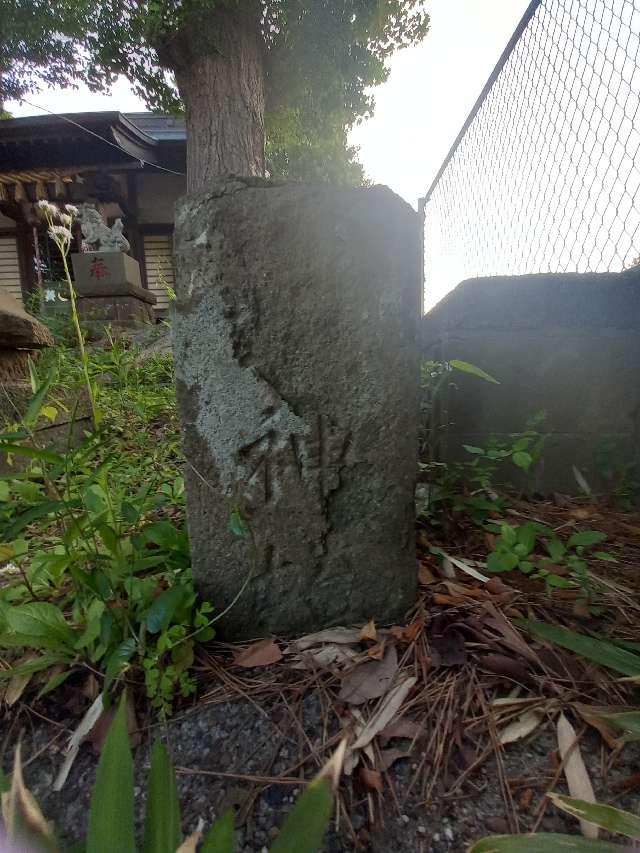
164, 128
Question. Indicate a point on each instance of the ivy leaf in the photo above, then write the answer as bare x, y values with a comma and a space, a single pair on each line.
238, 525
522, 459
502, 561
472, 369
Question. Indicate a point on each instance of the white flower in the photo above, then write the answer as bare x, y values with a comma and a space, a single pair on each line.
49, 295
48, 209
60, 234
66, 220
71, 209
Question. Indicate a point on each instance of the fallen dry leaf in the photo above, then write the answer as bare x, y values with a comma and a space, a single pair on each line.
495, 586
590, 716
506, 667
425, 575
578, 780
377, 652
371, 779
326, 657
330, 635
190, 844
97, 736
385, 712
262, 653
522, 726
371, 679
388, 757
86, 724
368, 631
408, 633
16, 687
403, 728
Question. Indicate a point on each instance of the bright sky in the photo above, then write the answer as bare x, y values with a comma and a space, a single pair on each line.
420, 109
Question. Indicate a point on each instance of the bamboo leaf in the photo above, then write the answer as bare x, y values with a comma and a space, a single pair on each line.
221, 838
162, 825
595, 650
578, 780
604, 816
25, 823
305, 826
474, 370
626, 721
112, 798
543, 842
32, 452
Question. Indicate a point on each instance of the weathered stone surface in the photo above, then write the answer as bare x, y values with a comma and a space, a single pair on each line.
294, 341
121, 311
564, 344
106, 274
19, 330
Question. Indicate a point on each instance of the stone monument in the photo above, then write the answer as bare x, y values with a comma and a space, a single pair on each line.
297, 371
107, 280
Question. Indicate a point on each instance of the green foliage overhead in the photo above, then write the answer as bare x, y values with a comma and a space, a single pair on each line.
321, 60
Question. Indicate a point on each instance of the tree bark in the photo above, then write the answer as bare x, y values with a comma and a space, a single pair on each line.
219, 68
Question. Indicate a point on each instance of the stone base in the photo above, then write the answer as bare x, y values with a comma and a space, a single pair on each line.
120, 311
297, 368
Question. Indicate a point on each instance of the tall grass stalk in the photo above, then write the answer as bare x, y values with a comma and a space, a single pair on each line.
60, 231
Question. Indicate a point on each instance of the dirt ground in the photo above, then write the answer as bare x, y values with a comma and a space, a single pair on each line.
244, 740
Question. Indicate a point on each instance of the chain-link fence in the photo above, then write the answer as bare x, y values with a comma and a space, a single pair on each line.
545, 174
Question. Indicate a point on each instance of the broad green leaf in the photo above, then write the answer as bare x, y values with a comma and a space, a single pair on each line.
604, 816
35, 406
471, 448
42, 621
162, 832
54, 681
527, 537
4, 491
543, 842
41, 510
605, 556
221, 838
159, 615
586, 539
522, 459
599, 651
95, 500
117, 659
35, 665
93, 624
474, 370
112, 798
305, 826
556, 550
32, 453
163, 534
502, 561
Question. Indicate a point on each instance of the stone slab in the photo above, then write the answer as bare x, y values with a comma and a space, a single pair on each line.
19, 330
297, 369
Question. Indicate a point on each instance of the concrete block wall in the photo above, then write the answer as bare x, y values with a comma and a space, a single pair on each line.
566, 344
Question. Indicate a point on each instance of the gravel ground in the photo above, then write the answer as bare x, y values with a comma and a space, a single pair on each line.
241, 738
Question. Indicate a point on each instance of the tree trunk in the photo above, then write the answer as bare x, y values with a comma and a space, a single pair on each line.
219, 69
